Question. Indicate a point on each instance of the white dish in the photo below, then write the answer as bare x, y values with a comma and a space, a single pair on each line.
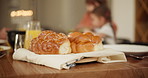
128, 48
5, 48
3, 51
2, 41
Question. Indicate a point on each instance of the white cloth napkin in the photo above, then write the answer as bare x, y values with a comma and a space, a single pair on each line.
69, 60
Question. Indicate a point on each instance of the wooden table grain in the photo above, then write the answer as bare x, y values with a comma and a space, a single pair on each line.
10, 68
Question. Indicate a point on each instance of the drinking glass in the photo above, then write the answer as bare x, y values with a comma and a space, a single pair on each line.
33, 30
19, 41
11, 36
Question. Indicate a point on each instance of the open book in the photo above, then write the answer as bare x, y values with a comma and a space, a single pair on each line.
69, 60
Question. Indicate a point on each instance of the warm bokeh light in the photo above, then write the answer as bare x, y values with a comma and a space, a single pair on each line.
21, 13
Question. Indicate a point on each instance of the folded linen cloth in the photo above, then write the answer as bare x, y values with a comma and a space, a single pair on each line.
69, 60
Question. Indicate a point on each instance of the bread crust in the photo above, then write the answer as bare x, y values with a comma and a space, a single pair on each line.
84, 42
49, 42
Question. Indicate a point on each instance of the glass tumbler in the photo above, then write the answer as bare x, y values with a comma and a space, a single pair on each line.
19, 41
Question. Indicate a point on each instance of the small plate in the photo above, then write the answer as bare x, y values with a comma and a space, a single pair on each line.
3, 51
4, 48
2, 41
129, 48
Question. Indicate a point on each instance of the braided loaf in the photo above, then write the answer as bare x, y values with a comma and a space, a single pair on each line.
49, 42
84, 42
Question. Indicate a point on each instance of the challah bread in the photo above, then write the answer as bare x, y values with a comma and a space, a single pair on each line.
84, 42
49, 42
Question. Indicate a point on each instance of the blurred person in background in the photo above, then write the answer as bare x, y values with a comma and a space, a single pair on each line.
102, 24
3, 33
86, 22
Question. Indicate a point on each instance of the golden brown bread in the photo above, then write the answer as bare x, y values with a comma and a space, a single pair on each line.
84, 42
49, 42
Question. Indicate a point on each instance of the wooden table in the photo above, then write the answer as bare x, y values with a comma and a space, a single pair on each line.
10, 68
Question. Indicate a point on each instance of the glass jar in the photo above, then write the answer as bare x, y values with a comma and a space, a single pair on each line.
32, 31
